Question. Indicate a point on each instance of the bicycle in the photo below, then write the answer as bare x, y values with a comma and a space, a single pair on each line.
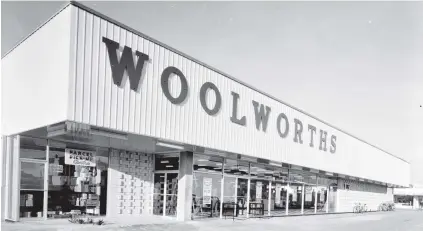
360, 208
357, 208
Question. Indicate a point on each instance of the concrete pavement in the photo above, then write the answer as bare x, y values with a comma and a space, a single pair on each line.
404, 220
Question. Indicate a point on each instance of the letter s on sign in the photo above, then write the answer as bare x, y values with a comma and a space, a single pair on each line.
333, 144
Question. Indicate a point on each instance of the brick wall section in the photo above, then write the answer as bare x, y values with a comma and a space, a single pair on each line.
130, 184
361, 192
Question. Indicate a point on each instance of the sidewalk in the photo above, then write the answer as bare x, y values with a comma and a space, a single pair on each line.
119, 223
346, 222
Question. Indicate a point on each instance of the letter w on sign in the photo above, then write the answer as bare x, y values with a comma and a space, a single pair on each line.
126, 63
262, 116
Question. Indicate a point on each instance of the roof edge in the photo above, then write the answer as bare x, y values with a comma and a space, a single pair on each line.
88, 9
36, 29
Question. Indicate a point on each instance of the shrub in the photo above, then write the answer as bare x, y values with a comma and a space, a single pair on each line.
99, 222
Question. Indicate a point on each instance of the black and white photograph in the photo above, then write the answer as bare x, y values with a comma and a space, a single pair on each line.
211, 115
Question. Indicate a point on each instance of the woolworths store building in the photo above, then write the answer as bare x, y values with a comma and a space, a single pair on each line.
98, 118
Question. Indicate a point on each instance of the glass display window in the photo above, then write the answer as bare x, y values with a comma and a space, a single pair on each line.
236, 167
208, 164
77, 180
33, 148
206, 194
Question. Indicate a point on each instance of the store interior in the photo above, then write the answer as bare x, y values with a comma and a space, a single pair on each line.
223, 185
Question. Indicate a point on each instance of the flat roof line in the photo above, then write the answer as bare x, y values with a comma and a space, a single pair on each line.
36, 29
98, 14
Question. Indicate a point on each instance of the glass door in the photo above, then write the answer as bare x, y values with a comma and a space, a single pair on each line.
165, 195
242, 193
171, 194
278, 198
33, 191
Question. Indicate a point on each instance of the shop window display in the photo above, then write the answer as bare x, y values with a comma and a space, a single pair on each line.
279, 191
77, 181
261, 176
236, 173
207, 186
32, 148
32, 189
32, 167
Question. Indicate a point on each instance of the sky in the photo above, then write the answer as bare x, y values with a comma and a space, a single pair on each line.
356, 65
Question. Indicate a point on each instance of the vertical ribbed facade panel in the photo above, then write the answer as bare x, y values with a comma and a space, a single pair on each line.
96, 100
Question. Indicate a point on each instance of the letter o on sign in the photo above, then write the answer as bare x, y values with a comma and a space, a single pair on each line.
285, 133
203, 92
165, 85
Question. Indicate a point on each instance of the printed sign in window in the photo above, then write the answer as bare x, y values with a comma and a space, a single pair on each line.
79, 157
259, 186
207, 189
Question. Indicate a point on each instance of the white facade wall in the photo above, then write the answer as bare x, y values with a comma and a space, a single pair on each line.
416, 191
95, 100
35, 78
348, 198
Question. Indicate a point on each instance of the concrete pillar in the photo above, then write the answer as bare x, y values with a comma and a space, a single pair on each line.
302, 199
12, 179
415, 202
222, 185
315, 200
269, 202
315, 194
248, 197
185, 186
327, 199
287, 200
236, 196
3, 154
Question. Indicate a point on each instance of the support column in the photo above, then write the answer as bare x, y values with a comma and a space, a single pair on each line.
315, 194
12, 178
184, 206
248, 197
287, 200
269, 202
302, 199
236, 196
46, 166
165, 194
327, 199
222, 184
3, 157
416, 204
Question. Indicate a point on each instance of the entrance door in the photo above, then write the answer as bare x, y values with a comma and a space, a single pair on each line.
165, 193
33, 190
241, 197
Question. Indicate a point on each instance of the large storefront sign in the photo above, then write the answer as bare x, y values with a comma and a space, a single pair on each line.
207, 189
261, 112
79, 157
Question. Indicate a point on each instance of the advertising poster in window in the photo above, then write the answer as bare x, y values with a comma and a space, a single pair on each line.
79, 157
278, 193
322, 195
207, 189
294, 194
309, 194
258, 190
